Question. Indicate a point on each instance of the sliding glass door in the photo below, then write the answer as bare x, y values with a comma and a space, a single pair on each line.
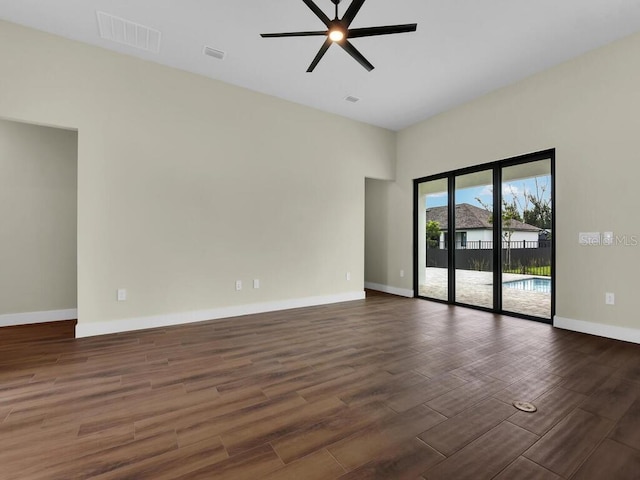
526, 238
433, 249
474, 238
484, 236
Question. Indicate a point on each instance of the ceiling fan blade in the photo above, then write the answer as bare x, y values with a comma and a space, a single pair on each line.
386, 30
323, 49
319, 13
293, 34
352, 11
351, 50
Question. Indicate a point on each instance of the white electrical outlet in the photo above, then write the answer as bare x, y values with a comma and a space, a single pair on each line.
402, 273
238, 284
122, 294
609, 298
348, 275
256, 283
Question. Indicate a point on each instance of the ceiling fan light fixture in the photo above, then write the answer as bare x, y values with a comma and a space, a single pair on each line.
336, 35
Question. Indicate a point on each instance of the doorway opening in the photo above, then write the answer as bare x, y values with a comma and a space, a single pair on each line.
38, 245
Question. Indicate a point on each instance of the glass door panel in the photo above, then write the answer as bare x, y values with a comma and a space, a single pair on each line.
433, 259
473, 241
526, 238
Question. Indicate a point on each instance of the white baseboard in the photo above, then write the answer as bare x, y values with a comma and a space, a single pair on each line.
27, 318
599, 329
141, 323
403, 292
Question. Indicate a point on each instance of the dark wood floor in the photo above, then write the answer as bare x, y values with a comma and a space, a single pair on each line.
385, 388
38, 331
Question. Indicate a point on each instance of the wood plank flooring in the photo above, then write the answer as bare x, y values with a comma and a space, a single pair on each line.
38, 331
383, 388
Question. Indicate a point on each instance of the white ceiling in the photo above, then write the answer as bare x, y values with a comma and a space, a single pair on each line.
461, 50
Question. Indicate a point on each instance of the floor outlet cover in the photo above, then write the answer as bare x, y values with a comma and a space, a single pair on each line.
525, 406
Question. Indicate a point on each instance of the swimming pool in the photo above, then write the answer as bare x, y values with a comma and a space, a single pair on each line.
542, 285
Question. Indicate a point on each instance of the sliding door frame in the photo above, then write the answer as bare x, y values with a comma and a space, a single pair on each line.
496, 168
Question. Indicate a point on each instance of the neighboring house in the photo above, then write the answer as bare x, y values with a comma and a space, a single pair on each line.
475, 230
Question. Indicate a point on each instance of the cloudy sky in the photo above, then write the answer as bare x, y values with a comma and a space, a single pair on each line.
510, 190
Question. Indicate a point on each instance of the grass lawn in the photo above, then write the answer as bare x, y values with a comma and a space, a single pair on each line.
543, 271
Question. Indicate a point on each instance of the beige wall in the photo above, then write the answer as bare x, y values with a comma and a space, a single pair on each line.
186, 184
588, 110
37, 218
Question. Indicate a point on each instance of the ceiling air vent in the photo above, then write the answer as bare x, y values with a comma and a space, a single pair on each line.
212, 52
352, 99
129, 33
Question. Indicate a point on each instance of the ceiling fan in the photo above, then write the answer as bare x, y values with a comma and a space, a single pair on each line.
338, 31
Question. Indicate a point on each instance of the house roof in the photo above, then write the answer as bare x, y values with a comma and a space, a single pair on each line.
470, 217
